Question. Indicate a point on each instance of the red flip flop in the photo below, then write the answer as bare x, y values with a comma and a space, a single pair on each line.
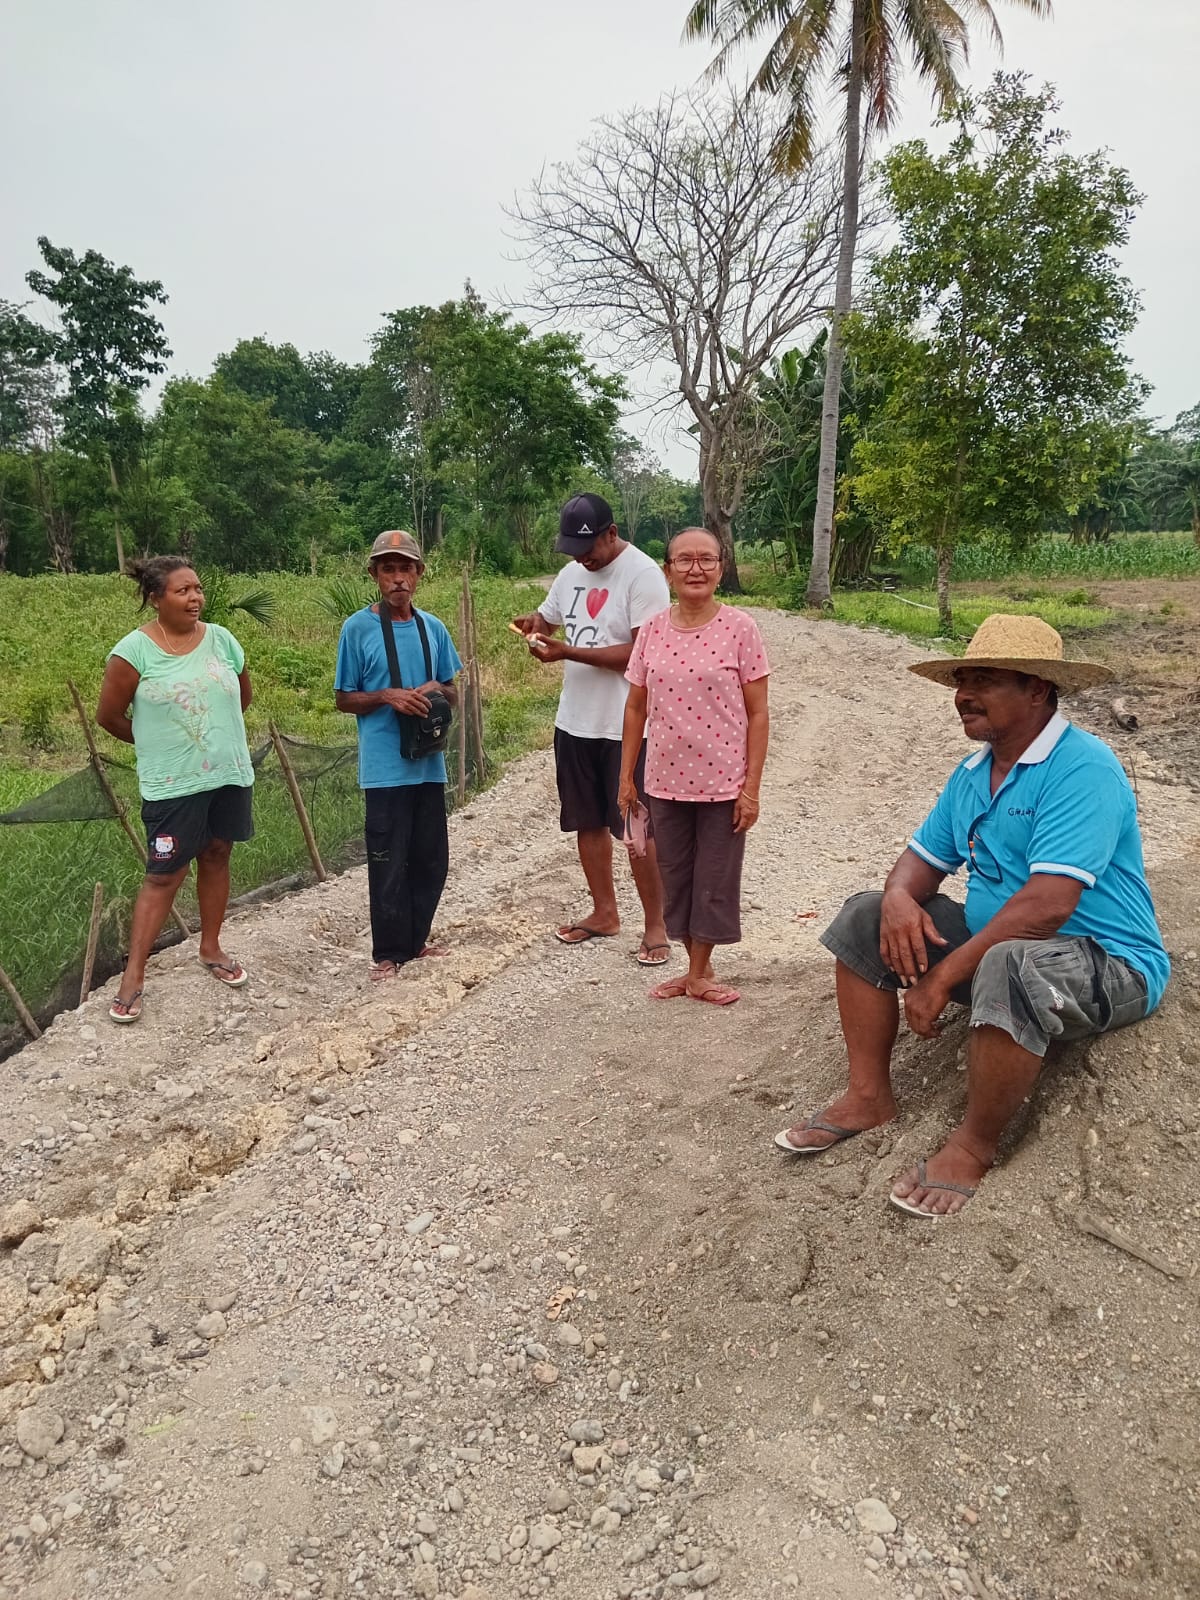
717, 994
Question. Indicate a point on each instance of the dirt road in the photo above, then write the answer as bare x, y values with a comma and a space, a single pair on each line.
277, 1264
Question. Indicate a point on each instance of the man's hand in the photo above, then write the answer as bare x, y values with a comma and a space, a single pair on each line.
924, 1004
547, 649
409, 702
533, 623
904, 929
745, 811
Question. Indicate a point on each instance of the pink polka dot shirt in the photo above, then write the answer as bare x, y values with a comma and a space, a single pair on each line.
696, 719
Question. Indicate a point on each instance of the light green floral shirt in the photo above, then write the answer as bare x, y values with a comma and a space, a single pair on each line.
188, 730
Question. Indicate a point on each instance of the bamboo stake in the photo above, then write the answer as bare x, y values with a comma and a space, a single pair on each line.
461, 730
110, 793
19, 1006
89, 959
306, 829
476, 693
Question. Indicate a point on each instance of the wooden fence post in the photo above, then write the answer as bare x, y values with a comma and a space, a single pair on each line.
105, 783
476, 689
89, 959
464, 697
19, 1006
306, 828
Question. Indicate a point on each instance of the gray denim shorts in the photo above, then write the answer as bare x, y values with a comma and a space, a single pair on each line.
1035, 989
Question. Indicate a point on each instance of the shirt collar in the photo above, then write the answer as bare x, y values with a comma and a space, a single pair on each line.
1036, 753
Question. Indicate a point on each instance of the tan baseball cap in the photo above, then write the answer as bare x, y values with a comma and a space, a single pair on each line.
396, 543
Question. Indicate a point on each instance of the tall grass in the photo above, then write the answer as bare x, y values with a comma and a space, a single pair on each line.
911, 612
1125, 555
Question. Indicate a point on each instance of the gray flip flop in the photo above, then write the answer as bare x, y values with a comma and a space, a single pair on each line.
815, 1125
929, 1183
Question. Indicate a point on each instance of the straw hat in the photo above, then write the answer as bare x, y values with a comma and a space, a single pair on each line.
1017, 644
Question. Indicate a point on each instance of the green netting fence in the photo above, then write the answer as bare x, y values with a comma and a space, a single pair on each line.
57, 846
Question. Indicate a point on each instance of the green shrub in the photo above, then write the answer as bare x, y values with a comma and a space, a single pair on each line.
37, 722
295, 668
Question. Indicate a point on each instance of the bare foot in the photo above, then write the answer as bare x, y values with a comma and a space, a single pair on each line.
851, 1112
433, 950
941, 1186
383, 969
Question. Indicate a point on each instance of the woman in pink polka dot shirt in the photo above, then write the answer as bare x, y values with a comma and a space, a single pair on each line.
699, 696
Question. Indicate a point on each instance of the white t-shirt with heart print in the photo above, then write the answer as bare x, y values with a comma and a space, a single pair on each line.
595, 609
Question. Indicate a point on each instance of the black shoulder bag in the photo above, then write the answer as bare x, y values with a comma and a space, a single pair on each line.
419, 736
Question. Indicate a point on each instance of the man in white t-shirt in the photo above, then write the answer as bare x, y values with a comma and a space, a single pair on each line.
599, 600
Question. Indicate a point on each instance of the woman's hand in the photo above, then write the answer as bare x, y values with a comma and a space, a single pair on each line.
745, 811
627, 795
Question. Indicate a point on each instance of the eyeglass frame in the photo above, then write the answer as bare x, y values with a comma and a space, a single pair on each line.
686, 563
972, 836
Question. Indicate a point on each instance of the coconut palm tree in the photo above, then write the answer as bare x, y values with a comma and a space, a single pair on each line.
859, 46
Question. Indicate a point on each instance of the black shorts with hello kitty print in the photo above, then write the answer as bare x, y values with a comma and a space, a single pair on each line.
179, 828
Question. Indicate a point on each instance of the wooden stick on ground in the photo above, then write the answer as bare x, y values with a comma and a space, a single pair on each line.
1121, 1241
102, 778
89, 959
19, 1006
306, 827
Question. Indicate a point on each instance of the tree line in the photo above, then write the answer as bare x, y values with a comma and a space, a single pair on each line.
982, 387
463, 425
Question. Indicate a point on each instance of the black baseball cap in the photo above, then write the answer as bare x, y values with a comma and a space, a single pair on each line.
584, 518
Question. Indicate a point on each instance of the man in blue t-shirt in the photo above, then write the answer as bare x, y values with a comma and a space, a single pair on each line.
1057, 939
408, 850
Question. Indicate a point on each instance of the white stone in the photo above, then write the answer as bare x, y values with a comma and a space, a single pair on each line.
873, 1516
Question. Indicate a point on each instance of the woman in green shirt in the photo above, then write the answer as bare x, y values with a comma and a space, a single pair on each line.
176, 689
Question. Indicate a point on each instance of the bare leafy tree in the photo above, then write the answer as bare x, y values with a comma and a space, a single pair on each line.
634, 470
674, 236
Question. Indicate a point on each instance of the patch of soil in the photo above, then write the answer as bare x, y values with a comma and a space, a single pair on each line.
1153, 646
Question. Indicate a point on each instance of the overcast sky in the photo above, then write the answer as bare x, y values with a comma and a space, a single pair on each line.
297, 169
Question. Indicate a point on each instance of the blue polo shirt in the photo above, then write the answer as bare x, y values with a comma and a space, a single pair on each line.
362, 667
1066, 808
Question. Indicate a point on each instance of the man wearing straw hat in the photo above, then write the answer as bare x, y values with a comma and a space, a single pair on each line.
1057, 939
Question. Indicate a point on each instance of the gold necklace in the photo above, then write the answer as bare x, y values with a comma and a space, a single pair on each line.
166, 646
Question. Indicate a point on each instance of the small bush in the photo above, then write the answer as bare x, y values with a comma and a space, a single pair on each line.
655, 549
294, 668
37, 722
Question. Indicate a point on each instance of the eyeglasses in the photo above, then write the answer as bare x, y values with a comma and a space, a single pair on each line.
982, 860
706, 564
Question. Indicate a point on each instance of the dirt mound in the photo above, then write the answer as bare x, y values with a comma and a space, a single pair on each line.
278, 1265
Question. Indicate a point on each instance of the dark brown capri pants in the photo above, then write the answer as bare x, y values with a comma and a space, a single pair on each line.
700, 864
1037, 990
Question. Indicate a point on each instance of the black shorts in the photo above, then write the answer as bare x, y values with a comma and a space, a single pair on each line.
178, 829
589, 774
